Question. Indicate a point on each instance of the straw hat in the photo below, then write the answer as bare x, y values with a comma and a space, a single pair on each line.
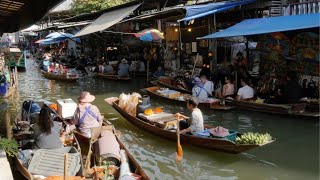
124, 61
86, 97
219, 131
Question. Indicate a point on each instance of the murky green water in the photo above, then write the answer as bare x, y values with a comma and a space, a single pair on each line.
295, 154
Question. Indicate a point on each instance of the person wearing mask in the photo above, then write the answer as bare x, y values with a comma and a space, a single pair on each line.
207, 85
46, 131
245, 92
123, 68
87, 115
198, 91
195, 123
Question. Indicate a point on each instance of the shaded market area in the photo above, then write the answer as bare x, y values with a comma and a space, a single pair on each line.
159, 89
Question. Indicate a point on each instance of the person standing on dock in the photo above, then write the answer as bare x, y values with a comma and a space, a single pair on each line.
87, 115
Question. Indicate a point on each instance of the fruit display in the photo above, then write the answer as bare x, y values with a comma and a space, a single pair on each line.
158, 110
148, 112
253, 138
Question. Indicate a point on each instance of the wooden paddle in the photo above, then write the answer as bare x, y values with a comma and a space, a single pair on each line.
179, 153
65, 166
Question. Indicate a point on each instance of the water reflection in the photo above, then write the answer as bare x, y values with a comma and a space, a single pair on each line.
294, 155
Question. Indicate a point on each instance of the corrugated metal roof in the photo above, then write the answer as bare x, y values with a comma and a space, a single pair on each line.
18, 14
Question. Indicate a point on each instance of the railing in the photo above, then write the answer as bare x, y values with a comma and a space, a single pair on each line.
304, 7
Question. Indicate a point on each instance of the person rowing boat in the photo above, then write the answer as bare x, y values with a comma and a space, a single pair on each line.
196, 123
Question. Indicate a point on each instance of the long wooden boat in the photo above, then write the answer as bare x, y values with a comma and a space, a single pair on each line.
107, 76
60, 77
217, 144
20, 137
285, 109
135, 166
171, 84
152, 91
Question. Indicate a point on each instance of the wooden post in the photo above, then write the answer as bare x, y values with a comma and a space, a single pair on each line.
8, 124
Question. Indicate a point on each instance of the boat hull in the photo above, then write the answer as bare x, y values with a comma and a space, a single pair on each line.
209, 143
284, 109
171, 84
214, 106
59, 77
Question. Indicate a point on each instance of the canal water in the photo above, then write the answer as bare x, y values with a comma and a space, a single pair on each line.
293, 156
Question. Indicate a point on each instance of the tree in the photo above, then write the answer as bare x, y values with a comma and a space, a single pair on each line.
87, 6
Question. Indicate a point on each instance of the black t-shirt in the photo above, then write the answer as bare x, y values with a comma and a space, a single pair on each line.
291, 92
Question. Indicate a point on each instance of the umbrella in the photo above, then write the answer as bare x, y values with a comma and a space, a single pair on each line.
149, 35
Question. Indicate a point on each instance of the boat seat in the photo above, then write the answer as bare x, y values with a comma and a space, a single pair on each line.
50, 162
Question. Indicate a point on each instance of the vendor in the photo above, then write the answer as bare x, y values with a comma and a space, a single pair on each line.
196, 122
87, 115
46, 131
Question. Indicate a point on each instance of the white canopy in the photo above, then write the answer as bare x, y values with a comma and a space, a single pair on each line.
107, 20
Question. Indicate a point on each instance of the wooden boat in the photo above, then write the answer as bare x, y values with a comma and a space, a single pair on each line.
25, 136
135, 166
285, 109
152, 91
112, 77
16, 58
60, 77
107, 76
217, 144
171, 84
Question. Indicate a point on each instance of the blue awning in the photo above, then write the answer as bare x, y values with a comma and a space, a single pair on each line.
268, 25
197, 11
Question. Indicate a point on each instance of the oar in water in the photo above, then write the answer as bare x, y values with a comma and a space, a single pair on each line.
179, 153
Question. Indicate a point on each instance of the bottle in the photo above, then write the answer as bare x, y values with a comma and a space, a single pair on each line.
68, 129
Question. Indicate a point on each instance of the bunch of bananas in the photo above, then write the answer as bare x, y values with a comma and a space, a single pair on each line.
253, 138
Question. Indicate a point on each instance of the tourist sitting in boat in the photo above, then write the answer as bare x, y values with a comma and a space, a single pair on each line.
198, 91
46, 131
227, 89
108, 68
245, 92
56, 69
207, 85
87, 115
159, 72
123, 68
292, 90
195, 123
51, 67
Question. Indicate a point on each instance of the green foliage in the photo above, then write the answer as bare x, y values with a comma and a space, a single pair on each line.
87, 6
9, 146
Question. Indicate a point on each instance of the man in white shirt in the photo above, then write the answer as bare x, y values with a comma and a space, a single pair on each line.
207, 85
195, 124
246, 92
